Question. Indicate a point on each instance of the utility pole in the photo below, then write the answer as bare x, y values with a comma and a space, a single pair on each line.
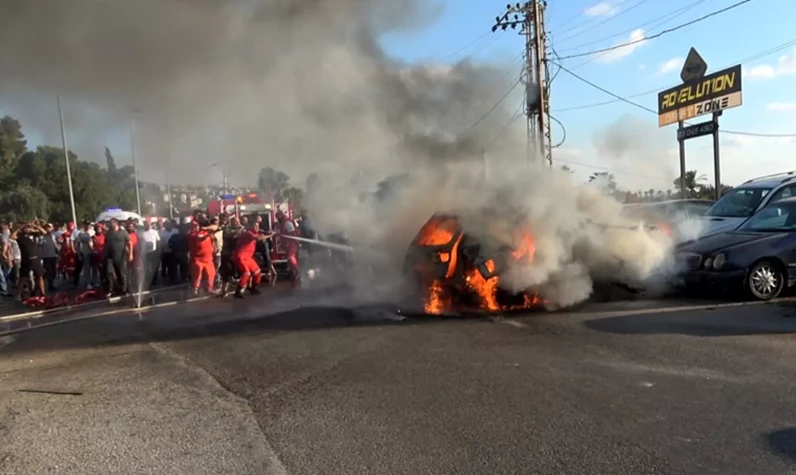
529, 17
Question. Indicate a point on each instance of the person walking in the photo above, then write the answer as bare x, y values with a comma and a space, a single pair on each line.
49, 256
28, 237
118, 256
83, 253
98, 273
150, 255
167, 261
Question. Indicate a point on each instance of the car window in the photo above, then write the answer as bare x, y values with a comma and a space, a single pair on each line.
697, 209
784, 192
776, 217
738, 203
439, 230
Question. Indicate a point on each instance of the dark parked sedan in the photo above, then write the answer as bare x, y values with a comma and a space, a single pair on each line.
759, 257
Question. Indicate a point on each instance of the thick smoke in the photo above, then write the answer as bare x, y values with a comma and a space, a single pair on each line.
299, 85
304, 86
644, 153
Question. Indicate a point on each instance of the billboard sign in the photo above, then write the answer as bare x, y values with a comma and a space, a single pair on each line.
712, 93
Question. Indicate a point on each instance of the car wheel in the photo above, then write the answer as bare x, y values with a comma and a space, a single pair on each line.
765, 281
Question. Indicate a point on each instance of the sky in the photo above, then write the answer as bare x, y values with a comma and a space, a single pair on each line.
578, 26
647, 155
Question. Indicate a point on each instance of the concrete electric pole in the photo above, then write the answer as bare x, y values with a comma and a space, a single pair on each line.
529, 17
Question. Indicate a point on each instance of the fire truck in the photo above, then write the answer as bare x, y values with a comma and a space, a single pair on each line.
253, 206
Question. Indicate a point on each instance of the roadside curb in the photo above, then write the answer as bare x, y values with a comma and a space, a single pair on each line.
52, 311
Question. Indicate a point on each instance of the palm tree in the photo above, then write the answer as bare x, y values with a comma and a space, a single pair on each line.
692, 183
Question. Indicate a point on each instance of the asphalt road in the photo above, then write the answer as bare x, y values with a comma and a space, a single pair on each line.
268, 387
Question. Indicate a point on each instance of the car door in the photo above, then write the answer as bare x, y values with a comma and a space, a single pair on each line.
787, 191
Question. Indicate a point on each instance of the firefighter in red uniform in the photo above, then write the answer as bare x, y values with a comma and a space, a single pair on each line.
202, 250
288, 228
244, 258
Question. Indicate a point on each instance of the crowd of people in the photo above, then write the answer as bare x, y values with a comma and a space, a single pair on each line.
120, 257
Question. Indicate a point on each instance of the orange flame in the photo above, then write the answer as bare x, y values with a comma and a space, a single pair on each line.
436, 301
485, 288
437, 232
525, 247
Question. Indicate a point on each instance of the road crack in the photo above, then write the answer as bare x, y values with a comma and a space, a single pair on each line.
276, 467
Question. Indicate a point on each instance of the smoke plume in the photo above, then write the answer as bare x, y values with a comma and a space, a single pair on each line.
304, 86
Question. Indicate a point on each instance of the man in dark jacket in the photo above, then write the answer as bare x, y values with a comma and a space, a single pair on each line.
118, 256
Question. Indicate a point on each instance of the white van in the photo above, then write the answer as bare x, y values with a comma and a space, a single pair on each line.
118, 214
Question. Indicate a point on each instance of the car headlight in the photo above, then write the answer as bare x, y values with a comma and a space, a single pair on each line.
718, 261
708, 263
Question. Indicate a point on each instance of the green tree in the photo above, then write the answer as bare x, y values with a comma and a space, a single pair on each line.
272, 182
604, 180
24, 202
12, 146
295, 196
693, 183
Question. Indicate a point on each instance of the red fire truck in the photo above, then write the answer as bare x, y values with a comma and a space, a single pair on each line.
253, 206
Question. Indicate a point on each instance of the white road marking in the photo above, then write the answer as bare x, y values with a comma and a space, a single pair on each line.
672, 309
50, 311
128, 310
513, 323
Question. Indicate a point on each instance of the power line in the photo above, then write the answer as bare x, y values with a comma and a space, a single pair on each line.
455, 121
578, 15
597, 104
610, 18
471, 43
594, 18
665, 18
659, 34
622, 172
517, 114
647, 109
495, 106
563, 130
748, 59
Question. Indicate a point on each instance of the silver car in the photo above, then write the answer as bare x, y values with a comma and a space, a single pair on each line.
740, 203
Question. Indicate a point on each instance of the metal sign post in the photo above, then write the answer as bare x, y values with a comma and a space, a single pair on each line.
700, 95
716, 157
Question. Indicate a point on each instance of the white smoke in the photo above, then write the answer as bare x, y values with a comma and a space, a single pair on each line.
304, 86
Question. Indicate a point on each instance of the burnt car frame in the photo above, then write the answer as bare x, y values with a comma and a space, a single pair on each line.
759, 257
462, 270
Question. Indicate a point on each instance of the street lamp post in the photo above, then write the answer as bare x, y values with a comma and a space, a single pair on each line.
168, 193
135, 166
66, 157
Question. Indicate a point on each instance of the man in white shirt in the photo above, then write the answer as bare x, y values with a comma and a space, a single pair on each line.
149, 239
167, 261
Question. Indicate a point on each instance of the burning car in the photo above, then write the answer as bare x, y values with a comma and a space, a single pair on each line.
455, 271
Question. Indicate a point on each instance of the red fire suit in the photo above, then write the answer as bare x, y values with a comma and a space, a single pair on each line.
200, 245
243, 258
